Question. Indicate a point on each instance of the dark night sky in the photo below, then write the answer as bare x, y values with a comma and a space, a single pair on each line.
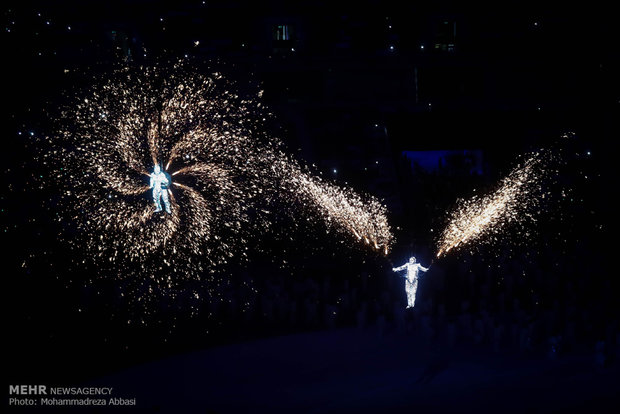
508, 64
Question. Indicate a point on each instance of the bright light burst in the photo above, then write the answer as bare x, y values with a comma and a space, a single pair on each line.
341, 208
225, 173
515, 202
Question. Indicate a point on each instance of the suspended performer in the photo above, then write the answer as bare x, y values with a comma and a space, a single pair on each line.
160, 182
411, 279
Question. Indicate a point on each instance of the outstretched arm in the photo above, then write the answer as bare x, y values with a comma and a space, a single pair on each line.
398, 269
424, 269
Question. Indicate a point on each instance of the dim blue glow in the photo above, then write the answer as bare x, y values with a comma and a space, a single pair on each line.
434, 161
282, 32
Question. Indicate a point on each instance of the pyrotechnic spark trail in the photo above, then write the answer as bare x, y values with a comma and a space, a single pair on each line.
223, 169
515, 202
341, 208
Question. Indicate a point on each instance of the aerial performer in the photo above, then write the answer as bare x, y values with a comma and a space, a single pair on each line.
160, 182
411, 278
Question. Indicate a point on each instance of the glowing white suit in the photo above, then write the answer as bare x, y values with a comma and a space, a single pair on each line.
160, 184
411, 279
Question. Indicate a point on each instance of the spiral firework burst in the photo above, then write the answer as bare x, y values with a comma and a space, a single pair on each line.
515, 202
222, 170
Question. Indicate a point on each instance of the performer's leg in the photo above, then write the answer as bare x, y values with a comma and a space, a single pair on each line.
410, 298
411, 288
156, 200
414, 290
164, 195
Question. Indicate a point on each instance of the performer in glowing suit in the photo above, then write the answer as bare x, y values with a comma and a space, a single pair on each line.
411, 279
160, 181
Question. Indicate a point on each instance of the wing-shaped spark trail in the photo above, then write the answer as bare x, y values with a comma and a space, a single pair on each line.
514, 202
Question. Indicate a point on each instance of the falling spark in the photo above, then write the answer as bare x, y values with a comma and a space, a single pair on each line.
514, 203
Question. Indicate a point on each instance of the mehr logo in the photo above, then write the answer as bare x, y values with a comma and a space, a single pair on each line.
27, 389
